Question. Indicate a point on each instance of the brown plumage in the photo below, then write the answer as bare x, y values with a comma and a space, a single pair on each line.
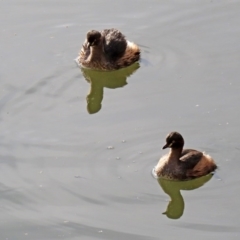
182, 164
108, 50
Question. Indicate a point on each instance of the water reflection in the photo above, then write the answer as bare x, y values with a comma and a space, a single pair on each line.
175, 206
99, 80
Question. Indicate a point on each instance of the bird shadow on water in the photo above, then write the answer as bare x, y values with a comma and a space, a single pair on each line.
99, 80
175, 206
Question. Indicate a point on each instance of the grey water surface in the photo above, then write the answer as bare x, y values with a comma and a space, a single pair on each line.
69, 171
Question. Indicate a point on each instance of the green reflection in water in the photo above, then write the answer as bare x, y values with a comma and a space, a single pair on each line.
175, 206
100, 80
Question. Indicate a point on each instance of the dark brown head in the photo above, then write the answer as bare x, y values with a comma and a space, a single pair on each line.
93, 38
174, 140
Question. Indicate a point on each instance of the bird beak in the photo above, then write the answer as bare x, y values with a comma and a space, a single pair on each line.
165, 146
168, 145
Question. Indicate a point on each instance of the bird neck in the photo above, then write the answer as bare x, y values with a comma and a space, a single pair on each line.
96, 53
175, 154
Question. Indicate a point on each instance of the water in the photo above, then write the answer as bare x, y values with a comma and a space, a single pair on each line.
58, 179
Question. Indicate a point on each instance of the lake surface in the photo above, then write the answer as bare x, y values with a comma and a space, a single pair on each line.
73, 167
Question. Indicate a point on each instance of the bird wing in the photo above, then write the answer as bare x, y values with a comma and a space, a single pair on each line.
191, 157
114, 43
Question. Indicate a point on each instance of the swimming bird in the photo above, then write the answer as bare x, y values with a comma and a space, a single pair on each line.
107, 50
183, 164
